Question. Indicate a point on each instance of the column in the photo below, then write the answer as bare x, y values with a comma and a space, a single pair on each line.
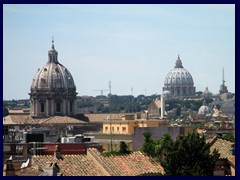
74, 107
52, 106
36, 107
32, 107
47, 108
64, 107
68, 107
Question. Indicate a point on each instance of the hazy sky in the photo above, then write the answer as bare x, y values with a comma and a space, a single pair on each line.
133, 46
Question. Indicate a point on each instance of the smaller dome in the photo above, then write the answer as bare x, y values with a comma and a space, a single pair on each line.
204, 109
207, 93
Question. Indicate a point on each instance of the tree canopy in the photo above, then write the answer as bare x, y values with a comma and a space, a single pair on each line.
187, 156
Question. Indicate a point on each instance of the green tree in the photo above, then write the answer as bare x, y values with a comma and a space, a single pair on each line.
189, 156
162, 146
229, 137
123, 148
148, 145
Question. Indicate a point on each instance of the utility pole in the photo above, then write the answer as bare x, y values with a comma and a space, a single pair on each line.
109, 85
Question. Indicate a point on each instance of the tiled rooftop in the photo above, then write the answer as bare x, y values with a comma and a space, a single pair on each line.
127, 165
93, 164
224, 148
26, 119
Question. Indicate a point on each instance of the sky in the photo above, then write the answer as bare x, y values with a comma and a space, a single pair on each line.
134, 46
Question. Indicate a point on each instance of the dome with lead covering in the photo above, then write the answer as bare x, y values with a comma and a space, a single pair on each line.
53, 75
178, 75
179, 82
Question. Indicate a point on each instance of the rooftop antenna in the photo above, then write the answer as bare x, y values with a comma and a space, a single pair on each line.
132, 90
109, 85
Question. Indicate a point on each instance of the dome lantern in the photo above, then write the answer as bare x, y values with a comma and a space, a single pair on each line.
53, 54
178, 63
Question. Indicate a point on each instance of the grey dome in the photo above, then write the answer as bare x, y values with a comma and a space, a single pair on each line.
179, 82
178, 75
53, 75
204, 109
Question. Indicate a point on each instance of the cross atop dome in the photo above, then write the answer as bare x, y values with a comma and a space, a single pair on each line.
53, 44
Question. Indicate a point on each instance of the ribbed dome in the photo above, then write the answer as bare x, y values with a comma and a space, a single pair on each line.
53, 91
178, 76
179, 82
53, 75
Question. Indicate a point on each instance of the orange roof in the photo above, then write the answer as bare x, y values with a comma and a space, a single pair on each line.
103, 117
93, 164
26, 119
224, 148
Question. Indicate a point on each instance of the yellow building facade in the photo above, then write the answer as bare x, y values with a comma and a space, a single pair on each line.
124, 129
127, 126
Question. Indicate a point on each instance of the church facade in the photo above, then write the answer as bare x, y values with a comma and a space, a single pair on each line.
53, 91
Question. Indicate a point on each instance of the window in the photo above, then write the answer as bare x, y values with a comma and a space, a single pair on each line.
112, 128
123, 128
106, 128
117, 128
42, 107
58, 108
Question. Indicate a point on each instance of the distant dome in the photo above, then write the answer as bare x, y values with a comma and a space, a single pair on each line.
179, 81
204, 109
206, 93
53, 75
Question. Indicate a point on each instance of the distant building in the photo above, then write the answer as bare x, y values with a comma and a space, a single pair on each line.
53, 91
123, 130
179, 82
207, 93
157, 133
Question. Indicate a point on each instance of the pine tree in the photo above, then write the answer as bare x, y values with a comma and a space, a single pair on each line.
189, 156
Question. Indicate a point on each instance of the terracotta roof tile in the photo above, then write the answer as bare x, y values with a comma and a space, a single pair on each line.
224, 148
84, 165
26, 119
